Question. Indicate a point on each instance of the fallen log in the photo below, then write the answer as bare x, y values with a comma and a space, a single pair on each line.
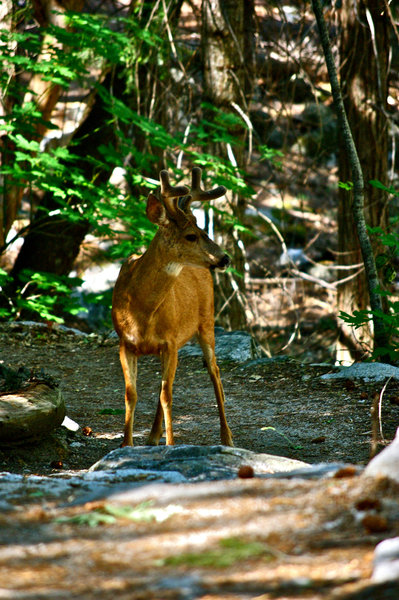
30, 414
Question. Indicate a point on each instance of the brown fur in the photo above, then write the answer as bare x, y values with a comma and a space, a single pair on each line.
164, 298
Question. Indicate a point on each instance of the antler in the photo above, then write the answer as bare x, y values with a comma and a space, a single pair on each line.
169, 193
197, 194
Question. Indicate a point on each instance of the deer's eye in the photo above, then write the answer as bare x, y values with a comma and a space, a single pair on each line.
191, 237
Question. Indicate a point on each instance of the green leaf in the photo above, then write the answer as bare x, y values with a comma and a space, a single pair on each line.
346, 185
377, 184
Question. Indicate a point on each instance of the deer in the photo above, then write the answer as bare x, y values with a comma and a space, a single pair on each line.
165, 297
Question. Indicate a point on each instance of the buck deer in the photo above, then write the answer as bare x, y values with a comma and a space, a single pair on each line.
165, 297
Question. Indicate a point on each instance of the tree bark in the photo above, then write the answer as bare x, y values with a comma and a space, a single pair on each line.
52, 243
227, 51
8, 206
364, 59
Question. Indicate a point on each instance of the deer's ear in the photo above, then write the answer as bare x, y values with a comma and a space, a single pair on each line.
155, 210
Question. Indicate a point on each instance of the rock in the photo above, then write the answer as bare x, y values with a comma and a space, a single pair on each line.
234, 346
70, 424
34, 325
294, 256
30, 413
374, 372
208, 484
386, 561
168, 472
192, 463
386, 463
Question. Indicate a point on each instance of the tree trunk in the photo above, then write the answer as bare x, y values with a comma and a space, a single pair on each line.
8, 208
41, 91
227, 49
52, 244
363, 70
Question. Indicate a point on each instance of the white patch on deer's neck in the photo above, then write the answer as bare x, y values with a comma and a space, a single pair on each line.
173, 269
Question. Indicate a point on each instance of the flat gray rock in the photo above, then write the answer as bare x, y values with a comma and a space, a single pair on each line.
235, 346
374, 372
193, 463
166, 471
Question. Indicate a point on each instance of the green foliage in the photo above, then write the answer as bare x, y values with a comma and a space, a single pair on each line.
346, 185
110, 514
385, 264
229, 552
390, 190
69, 57
112, 411
58, 170
111, 213
271, 155
43, 295
391, 322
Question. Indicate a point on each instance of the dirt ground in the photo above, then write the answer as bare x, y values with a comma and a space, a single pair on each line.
245, 538
280, 407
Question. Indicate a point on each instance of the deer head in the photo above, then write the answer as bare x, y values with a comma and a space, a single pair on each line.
169, 208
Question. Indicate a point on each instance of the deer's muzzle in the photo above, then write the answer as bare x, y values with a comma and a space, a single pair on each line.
223, 263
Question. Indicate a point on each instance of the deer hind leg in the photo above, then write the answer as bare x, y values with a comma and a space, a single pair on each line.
129, 368
157, 426
208, 349
164, 408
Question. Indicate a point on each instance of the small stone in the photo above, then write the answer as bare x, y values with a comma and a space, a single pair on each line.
349, 471
368, 504
318, 440
246, 472
374, 523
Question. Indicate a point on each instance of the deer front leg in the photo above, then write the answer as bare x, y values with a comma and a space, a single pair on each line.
214, 373
164, 409
129, 368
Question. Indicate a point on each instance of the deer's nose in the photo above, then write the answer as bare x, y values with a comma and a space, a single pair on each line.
224, 262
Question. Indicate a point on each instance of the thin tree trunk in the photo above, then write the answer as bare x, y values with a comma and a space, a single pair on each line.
357, 213
364, 51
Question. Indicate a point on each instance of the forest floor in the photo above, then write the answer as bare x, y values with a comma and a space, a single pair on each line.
279, 407
252, 538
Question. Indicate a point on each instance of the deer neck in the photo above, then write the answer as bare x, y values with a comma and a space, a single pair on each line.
155, 274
